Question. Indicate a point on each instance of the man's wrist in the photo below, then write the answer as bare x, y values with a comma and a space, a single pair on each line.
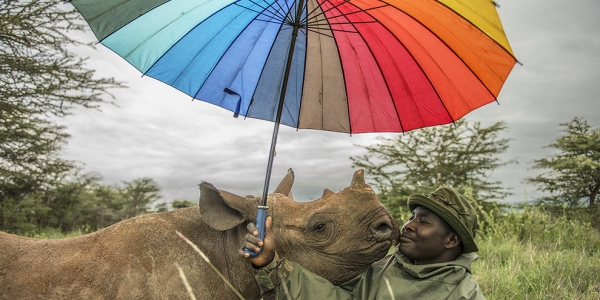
271, 265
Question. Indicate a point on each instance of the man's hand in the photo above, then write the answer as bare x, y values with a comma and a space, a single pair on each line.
253, 243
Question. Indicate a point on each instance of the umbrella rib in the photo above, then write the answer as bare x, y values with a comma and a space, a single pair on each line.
359, 11
341, 15
334, 6
340, 23
261, 6
317, 7
275, 16
336, 30
281, 10
317, 31
274, 13
317, 23
299, 22
278, 21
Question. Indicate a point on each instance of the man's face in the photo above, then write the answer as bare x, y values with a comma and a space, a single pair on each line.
424, 236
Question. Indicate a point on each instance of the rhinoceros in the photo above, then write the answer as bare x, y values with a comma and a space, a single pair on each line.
336, 236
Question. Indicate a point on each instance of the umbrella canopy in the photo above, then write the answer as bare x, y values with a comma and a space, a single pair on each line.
340, 65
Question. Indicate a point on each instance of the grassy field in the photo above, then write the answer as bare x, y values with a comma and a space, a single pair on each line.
531, 254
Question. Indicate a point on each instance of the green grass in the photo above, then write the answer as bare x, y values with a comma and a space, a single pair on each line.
530, 254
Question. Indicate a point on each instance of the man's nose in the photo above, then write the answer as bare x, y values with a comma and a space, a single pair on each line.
408, 226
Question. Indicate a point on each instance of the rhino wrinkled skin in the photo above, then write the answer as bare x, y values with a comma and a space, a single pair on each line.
335, 236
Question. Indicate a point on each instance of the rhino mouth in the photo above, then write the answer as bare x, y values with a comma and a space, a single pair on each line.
384, 231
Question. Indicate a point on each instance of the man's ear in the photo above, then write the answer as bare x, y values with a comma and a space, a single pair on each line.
453, 241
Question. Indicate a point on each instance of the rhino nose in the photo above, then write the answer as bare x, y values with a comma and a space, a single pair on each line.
382, 230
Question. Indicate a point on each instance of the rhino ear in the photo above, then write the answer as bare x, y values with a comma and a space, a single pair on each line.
358, 181
285, 186
222, 210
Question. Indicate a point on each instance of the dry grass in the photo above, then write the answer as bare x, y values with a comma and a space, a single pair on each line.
205, 258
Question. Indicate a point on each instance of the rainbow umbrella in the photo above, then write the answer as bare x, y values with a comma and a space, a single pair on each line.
340, 65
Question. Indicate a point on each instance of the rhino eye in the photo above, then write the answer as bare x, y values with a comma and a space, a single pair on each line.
319, 230
320, 227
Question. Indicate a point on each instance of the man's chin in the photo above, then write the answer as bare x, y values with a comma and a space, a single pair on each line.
404, 249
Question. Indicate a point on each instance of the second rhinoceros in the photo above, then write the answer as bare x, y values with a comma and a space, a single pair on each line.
336, 236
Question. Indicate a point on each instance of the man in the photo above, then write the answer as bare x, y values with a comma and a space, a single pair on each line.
432, 261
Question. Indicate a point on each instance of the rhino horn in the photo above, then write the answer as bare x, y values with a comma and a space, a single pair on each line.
358, 180
327, 193
223, 210
285, 186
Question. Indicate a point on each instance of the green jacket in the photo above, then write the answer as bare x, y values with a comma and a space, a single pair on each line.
451, 280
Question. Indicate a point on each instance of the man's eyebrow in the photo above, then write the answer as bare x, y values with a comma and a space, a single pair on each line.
424, 214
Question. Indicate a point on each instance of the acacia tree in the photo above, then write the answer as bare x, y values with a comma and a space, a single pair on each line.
572, 175
138, 194
72, 201
463, 156
39, 79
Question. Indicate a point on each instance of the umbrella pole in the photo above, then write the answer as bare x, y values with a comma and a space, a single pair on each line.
261, 215
280, 105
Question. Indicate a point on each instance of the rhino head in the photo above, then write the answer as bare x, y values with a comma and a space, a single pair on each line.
336, 236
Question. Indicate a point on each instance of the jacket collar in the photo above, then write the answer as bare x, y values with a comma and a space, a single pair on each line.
452, 271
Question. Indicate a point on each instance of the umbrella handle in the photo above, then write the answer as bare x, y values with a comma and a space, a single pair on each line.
261, 218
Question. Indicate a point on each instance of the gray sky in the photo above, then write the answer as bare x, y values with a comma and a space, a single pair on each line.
159, 132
